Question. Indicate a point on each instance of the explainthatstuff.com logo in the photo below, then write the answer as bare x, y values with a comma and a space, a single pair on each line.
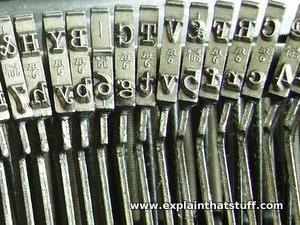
196, 208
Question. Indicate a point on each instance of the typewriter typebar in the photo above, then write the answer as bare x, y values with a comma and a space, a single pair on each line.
281, 83
5, 154
148, 112
102, 66
211, 84
217, 49
102, 50
237, 61
13, 72
39, 100
170, 55
80, 66
167, 87
20, 106
64, 106
125, 79
263, 52
33, 66
124, 56
189, 85
147, 58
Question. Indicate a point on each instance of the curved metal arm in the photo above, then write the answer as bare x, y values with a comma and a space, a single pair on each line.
290, 124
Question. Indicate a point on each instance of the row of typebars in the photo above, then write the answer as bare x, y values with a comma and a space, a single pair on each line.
97, 114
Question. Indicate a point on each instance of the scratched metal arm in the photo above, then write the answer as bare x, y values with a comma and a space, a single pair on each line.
269, 167
167, 87
80, 66
290, 124
39, 100
147, 58
210, 87
237, 61
188, 95
283, 82
5, 163
125, 93
19, 104
256, 77
62, 86
104, 93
